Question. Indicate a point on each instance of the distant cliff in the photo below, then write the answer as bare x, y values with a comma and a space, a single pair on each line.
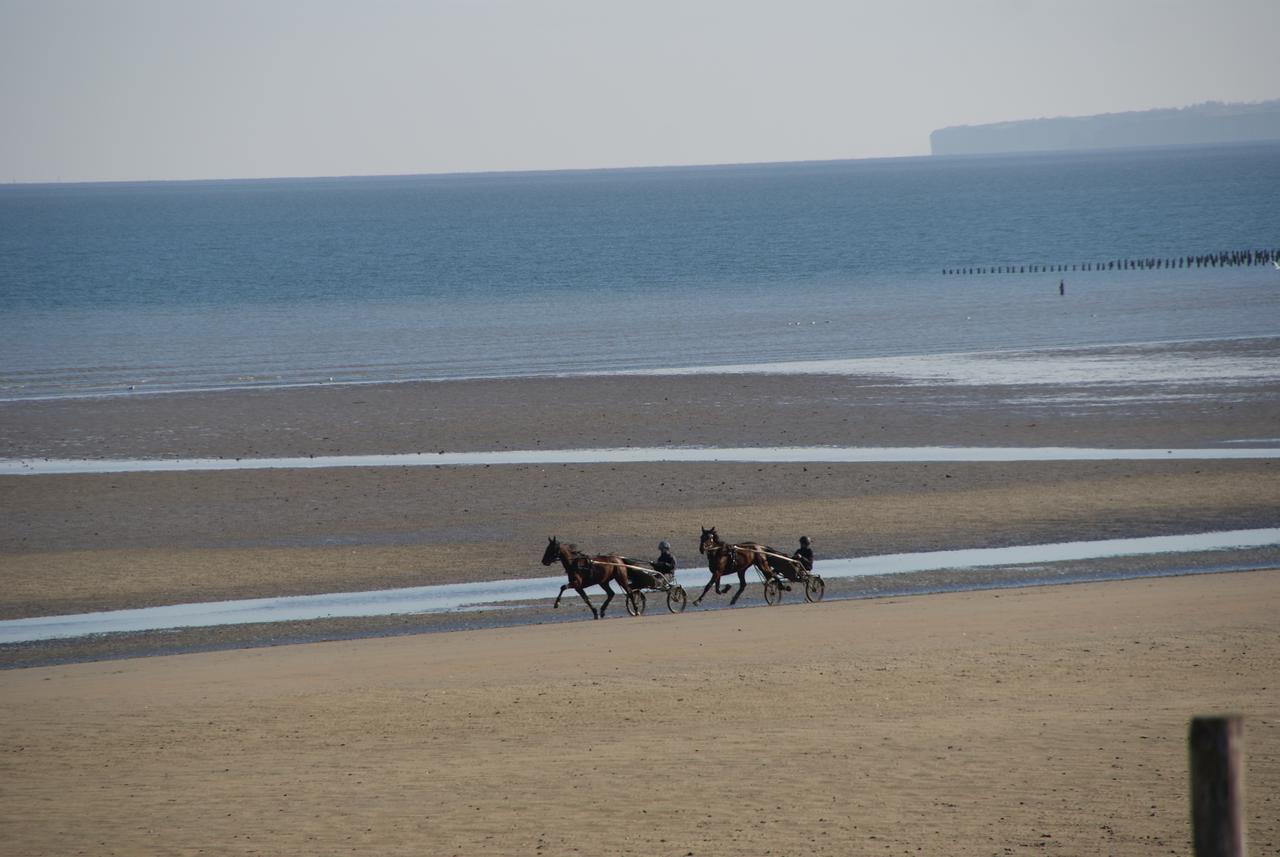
1211, 122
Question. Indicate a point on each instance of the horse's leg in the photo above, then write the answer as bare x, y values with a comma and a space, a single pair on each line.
767, 569
604, 584
590, 606
742, 584
562, 589
728, 569
715, 579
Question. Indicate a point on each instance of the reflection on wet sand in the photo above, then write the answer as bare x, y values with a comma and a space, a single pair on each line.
465, 596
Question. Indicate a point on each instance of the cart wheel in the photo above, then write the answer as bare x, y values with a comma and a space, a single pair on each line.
635, 602
772, 591
814, 588
676, 599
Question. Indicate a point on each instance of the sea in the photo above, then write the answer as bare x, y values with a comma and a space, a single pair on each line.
130, 288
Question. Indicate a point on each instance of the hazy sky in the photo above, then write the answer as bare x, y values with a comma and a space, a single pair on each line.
159, 89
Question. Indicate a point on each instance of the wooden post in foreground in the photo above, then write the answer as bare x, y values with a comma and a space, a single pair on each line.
1217, 786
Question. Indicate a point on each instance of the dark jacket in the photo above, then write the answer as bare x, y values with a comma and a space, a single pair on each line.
665, 563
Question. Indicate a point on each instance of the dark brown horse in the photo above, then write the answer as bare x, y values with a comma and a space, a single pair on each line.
584, 571
725, 559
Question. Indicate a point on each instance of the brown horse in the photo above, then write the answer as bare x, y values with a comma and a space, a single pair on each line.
724, 559
584, 571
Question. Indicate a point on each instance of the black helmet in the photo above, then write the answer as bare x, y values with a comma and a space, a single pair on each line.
804, 540
664, 545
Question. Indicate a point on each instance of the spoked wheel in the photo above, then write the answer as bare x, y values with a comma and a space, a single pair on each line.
635, 602
772, 591
676, 599
814, 588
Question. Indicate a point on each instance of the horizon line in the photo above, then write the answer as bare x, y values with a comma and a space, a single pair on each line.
475, 172
630, 168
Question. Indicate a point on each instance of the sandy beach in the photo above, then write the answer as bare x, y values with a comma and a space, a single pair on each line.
974, 723
969, 723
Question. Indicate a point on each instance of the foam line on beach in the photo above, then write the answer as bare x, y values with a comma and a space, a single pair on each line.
1097, 368
460, 597
634, 455
1092, 365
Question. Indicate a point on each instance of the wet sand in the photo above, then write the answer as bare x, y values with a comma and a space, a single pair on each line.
84, 543
78, 543
615, 411
187, 640
969, 724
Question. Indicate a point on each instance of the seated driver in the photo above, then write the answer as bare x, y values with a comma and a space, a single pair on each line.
805, 555
665, 562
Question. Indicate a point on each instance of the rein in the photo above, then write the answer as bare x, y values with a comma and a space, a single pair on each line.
578, 560
584, 564
727, 547
778, 555
719, 547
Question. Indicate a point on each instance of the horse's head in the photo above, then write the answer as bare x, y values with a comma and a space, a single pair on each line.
552, 553
710, 538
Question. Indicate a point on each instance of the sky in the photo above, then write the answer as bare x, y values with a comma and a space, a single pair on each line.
111, 90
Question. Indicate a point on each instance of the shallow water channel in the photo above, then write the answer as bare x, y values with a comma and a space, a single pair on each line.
462, 597
635, 455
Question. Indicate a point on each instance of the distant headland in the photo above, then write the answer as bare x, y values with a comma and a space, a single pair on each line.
1199, 124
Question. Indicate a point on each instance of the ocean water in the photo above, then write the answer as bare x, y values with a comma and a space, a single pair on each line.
190, 285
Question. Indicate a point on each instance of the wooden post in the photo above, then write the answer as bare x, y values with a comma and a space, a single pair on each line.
1217, 786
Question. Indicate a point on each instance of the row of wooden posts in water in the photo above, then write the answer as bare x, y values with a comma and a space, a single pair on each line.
1223, 259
